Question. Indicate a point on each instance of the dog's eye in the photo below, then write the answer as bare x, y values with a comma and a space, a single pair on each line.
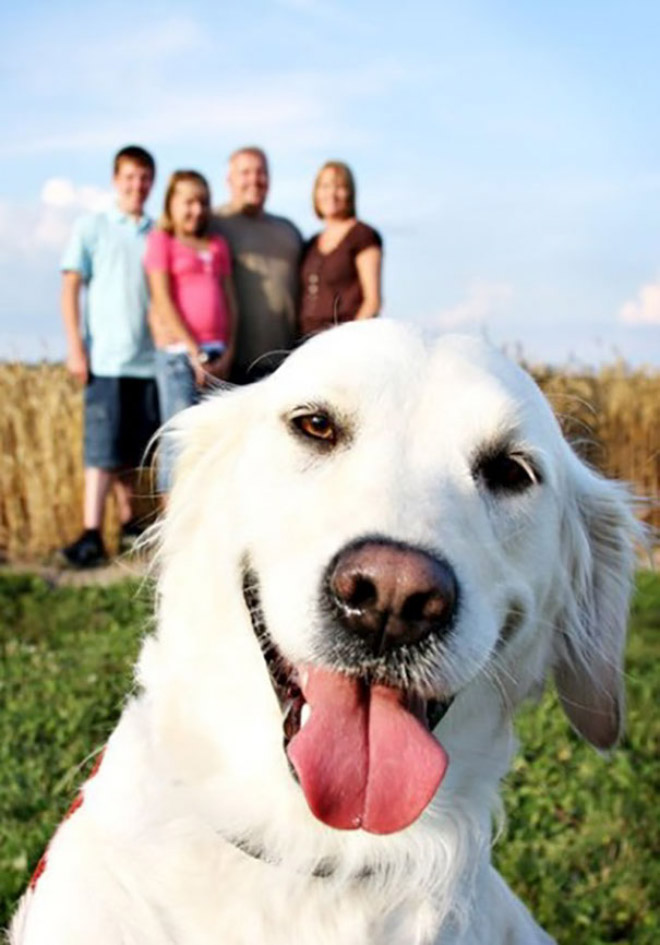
507, 472
316, 426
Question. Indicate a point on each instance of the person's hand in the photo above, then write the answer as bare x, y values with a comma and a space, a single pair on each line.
199, 370
77, 364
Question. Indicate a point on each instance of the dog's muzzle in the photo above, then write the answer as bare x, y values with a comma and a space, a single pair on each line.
359, 742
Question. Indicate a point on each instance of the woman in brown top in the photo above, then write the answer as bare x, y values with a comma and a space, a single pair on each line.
341, 266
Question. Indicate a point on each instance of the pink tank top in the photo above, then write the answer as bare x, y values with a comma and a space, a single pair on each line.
195, 282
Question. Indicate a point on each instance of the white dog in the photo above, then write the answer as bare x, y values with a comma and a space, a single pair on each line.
385, 538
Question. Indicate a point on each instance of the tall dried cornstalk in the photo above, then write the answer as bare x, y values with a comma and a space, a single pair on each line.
612, 418
41, 474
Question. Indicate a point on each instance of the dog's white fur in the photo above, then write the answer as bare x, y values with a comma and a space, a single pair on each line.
196, 764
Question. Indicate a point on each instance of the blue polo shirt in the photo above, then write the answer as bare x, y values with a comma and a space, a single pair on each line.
107, 250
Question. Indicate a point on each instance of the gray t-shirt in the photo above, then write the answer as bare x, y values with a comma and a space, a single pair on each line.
266, 252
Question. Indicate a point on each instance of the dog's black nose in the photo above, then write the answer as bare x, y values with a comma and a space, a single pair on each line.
392, 594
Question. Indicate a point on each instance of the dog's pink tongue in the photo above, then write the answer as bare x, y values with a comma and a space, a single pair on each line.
363, 759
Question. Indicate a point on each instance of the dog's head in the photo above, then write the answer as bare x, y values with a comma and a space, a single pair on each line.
393, 537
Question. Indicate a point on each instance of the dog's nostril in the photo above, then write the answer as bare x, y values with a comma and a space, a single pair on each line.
362, 594
424, 606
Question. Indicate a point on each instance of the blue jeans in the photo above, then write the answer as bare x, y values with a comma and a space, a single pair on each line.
176, 391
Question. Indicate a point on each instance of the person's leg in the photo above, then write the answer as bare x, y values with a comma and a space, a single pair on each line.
123, 487
138, 425
87, 550
97, 485
100, 457
176, 391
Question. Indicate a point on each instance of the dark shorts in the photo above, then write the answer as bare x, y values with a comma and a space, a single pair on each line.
121, 416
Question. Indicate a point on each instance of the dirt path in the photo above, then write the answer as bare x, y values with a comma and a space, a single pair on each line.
123, 568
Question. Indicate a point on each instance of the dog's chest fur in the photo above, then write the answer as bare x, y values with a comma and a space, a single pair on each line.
168, 879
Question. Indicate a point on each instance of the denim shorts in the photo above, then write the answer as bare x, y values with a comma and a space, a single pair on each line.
176, 391
121, 417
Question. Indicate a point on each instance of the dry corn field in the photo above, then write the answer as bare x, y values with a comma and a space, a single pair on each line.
41, 473
612, 417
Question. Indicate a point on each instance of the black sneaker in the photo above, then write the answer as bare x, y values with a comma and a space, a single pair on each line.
129, 534
87, 551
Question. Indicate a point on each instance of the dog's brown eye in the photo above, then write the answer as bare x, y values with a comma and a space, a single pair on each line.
507, 472
317, 426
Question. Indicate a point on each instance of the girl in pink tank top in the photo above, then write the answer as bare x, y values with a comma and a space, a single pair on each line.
193, 307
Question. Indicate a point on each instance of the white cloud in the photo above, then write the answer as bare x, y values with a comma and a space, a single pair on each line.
51, 230
32, 236
482, 302
60, 192
31, 228
645, 309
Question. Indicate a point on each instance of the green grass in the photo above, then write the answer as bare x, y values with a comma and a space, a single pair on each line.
582, 839
67, 658
582, 842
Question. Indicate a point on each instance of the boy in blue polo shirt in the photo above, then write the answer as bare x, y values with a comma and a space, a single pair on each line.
110, 348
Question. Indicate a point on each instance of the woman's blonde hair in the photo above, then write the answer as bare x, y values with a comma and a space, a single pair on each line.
193, 177
346, 176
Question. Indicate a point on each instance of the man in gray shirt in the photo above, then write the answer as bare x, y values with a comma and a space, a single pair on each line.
266, 253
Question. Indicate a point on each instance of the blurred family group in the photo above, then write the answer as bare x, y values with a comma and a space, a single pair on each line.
156, 312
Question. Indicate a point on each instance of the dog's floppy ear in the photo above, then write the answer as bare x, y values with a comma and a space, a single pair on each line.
599, 531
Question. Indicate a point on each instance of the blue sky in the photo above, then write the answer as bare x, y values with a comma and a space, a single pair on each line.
509, 152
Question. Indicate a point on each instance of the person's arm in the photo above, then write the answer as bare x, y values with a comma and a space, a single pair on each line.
77, 361
368, 264
165, 311
221, 366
